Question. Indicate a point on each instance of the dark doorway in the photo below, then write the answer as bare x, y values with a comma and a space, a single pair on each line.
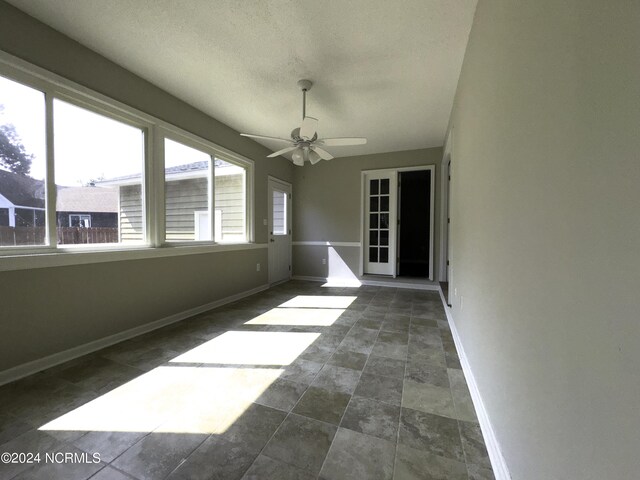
414, 194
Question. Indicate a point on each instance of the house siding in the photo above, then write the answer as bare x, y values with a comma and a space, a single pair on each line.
183, 198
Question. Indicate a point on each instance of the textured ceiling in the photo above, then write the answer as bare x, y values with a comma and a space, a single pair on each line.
385, 70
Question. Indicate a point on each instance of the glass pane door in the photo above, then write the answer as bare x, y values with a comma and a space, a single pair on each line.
380, 223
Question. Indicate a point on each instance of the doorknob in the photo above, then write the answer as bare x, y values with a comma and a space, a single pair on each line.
272, 240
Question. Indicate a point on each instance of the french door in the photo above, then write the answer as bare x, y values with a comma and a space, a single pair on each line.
380, 222
279, 230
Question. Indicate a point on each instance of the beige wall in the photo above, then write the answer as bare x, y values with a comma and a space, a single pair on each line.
83, 303
546, 232
326, 206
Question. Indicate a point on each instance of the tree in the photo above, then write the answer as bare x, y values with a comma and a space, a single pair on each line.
13, 155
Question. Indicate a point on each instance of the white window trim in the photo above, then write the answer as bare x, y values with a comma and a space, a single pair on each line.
155, 130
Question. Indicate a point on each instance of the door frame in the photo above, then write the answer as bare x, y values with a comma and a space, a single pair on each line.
363, 174
446, 168
284, 184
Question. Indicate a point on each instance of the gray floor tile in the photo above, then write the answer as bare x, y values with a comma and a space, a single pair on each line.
387, 367
412, 464
428, 398
282, 394
428, 354
218, 458
393, 338
347, 359
11, 427
109, 473
33, 441
422, 371
267, 468
391, 351
356, 456
157, 454
383, 389
475, 450
337, 379
302, 371
432, 433
108, 444
373, 418
462, 401
424, 322
397, 329
322, 404
71, 470
302, 442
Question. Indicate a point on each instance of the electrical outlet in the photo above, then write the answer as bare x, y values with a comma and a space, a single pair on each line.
257, 267
324, 261
461, 302
265, 222
455, 292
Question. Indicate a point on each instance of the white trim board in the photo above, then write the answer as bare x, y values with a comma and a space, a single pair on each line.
81, 256
498, 463
49, 361
326, 244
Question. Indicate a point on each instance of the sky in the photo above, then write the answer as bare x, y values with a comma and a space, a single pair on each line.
87, 146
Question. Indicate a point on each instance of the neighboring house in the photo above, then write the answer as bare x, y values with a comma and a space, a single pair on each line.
22, 210
187, 205
87, 207
21, 201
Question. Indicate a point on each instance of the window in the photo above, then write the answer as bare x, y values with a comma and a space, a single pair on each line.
186, 192
80, 221
279, 213
22, 165
103, 179
98, 172
230, 201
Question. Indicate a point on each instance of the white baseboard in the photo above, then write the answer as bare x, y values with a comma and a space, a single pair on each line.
500, 469
49, 361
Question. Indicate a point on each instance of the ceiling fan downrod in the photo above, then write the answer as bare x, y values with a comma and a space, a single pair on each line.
305, 85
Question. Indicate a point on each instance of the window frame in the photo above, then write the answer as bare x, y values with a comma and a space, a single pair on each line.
153, 202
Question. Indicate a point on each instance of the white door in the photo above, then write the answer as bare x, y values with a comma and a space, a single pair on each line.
279, 231
380, 222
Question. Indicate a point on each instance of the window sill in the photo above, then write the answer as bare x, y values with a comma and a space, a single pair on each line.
81, 256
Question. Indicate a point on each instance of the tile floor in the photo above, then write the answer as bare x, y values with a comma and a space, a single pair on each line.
298, 382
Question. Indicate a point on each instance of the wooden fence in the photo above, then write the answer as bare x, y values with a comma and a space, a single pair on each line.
10, 236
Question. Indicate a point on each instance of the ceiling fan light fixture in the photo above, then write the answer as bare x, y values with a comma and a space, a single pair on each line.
297, 157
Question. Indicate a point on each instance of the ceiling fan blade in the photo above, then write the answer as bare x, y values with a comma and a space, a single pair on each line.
288, 140
314, 157
322, 153
343, 141
308, 128
298, 159
280, 152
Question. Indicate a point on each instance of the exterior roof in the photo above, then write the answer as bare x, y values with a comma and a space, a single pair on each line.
22, 190
87, 199
188, 167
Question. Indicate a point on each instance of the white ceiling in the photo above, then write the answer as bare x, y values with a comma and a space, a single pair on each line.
386, 70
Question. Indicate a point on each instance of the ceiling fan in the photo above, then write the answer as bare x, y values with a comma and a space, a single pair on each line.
304, 141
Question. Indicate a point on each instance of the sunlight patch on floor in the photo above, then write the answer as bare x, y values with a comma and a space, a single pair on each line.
322, 317
250, 348
172, 399
319, 301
